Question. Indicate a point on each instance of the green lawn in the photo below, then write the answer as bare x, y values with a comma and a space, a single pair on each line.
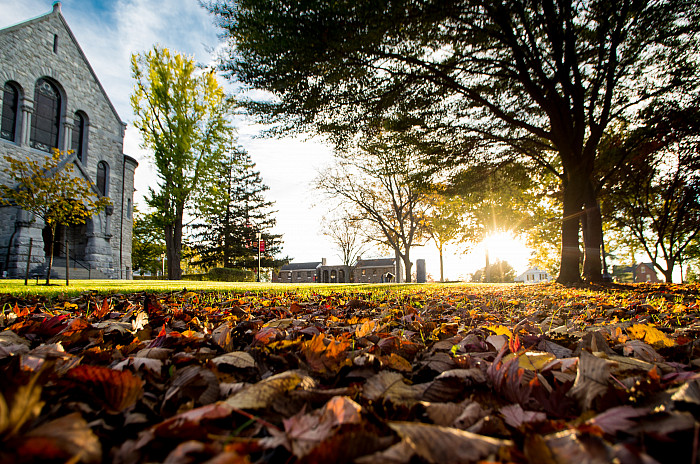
76, 287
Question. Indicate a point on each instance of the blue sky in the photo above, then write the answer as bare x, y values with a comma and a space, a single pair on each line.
110, 31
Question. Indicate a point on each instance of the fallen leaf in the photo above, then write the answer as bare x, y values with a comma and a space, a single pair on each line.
68, 439
591, 379
436, 444
515, 416
237, 359
650, 335
261, 395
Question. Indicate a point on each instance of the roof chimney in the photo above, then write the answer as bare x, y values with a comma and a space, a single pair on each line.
56, 7
323, 261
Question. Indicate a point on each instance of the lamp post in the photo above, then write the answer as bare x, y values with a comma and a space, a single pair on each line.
258, 235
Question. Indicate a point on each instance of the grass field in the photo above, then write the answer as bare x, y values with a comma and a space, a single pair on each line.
76, 287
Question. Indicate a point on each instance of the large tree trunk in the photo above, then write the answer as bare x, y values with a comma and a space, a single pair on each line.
173, 247
407, 264
592, 236
569, 271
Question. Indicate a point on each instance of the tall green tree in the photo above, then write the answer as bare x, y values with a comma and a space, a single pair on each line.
48, 189
182, 113
476, 78
233, 211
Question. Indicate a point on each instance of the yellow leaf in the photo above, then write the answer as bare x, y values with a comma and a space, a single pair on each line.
650, 335
500, 330
365, 329
535, 360
680, 308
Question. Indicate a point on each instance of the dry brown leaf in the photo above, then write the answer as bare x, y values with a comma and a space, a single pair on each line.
591, 379
515, 416
390, 386
441, 445
22, 407
237, 359
262, 394
68, 439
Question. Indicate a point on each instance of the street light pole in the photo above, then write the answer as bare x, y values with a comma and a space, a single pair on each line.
258, 235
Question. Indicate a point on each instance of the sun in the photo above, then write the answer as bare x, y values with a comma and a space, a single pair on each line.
506, 246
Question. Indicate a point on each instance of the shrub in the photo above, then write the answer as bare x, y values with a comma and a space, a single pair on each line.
223, 274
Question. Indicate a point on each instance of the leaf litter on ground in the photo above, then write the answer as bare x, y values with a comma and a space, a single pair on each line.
437, 374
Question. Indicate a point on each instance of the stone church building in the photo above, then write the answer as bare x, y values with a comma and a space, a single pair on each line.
51, 98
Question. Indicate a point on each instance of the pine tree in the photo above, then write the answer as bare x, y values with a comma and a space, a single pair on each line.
234, 210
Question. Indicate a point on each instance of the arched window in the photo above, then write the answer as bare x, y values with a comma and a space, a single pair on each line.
78, 139
102, 178
47, 116
10, 107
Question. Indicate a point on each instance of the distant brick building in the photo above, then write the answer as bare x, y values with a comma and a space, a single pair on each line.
294, 273
364, 271
374, 270
52, 98
642, 272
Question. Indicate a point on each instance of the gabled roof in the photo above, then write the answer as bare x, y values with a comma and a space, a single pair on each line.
380, 262
301, 266
57, 11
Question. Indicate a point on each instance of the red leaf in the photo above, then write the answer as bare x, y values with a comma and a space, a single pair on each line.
115, 390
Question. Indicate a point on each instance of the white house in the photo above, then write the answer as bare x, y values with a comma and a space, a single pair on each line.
533, 276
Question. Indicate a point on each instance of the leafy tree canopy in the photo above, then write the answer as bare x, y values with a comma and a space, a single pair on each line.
182, 113
473, 78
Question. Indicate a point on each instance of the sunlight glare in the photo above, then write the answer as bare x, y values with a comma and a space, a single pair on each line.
506, 247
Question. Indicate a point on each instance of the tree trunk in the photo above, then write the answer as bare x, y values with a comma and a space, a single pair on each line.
442, 274
52, 229
668, 274
592, 236
570, 252
407, 264
173, 245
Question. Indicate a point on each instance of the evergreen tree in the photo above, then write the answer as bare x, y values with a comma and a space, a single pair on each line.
232, 212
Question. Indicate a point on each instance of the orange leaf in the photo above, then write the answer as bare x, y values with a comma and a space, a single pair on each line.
103, 309
325, 358
20, 312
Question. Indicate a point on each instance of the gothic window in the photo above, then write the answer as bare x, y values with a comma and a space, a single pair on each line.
128, 208
47, 116
102, 178
78, 137
10, 106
